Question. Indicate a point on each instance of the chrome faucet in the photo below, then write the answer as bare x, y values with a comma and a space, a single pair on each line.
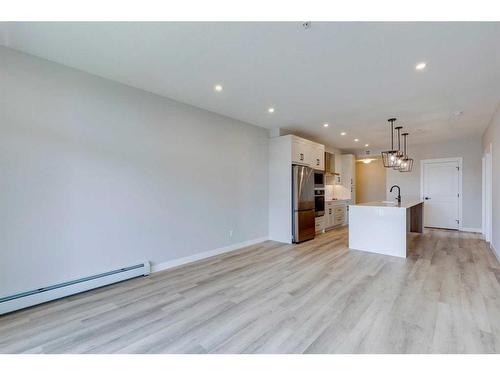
399, 193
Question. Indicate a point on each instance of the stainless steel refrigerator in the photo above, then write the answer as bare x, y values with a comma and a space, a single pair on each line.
303, 225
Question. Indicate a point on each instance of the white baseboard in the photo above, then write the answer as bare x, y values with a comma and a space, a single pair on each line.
473, 230
497, 255
206, 254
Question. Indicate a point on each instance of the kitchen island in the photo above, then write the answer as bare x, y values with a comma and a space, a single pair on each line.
383, 227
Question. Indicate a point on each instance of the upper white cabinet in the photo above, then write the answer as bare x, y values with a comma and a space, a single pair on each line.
348, 176
300, 154
308, 153
318, 161
338, 164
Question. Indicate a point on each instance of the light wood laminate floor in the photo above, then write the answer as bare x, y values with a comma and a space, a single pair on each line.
316, 297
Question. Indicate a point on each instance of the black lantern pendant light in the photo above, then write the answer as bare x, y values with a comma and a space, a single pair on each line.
390, 157
399, 155
406, 162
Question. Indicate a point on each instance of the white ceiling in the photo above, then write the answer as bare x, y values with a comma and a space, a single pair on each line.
350, 75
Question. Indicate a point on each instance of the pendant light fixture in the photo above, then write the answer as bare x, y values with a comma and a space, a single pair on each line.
390, 157
406, 162
399, 153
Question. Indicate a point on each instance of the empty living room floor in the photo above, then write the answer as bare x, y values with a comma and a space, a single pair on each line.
316, 297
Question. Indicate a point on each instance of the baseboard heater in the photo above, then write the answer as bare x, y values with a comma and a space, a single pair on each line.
36, 296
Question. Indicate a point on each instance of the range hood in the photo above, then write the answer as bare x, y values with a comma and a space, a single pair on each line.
330, 164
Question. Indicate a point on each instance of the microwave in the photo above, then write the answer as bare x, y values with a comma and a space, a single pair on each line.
319, 180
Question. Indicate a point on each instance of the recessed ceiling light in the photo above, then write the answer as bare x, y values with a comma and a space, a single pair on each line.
420, 66
343, 133
366, 145
325, 125
356, 140
218, 88
270, 110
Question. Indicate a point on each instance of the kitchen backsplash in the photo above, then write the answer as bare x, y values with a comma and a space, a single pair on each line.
329, 192
336, 192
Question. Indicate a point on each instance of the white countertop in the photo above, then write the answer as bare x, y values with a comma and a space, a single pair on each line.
394, 204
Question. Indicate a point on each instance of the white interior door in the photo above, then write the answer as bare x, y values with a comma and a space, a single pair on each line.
441, 193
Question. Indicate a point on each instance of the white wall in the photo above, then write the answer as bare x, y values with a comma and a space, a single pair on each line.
470, 150
370, 181
97, 175
492, 136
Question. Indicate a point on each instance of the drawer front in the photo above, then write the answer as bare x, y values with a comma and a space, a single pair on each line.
339, 219
340, 210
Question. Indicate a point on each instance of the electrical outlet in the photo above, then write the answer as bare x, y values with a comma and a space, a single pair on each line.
230, 233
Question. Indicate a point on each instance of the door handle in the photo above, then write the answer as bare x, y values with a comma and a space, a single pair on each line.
427, 198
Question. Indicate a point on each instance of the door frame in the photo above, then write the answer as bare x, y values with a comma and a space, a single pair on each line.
460, 172
483, 197
487, 190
